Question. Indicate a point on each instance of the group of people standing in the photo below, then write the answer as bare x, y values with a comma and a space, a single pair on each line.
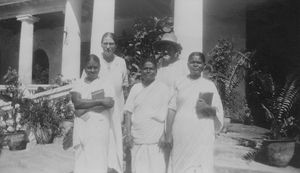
169, 125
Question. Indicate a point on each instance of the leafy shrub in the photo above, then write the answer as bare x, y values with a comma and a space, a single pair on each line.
281, 106
13, 94
41, 113
228, 69
36, 114
138, 44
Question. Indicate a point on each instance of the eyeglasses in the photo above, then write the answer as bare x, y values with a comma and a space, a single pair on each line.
162, 52
110, 44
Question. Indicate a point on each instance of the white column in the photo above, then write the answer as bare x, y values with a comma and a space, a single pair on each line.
188, 25
26, 48
70, 66
103, 21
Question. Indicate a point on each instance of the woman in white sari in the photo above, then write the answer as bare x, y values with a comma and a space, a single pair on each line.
113, 69
93, 99
145, 112
193, 120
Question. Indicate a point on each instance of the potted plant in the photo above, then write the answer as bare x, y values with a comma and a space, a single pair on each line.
43, 116
46, 117
284, 126
13, 134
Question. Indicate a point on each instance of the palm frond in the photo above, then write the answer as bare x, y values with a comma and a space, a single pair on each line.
287, 98
237, 71
250, 155
281, 106
269, 113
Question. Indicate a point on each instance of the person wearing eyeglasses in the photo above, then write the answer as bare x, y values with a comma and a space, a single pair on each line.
170, 67
114, 70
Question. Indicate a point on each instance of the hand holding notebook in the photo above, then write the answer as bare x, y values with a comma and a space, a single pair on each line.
207, 97
99, 94
203, 105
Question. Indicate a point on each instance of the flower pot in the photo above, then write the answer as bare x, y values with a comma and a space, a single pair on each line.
296, 158
43, 136
279, 152
17, 140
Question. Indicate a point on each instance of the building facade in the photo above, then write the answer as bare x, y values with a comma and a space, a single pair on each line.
55, 34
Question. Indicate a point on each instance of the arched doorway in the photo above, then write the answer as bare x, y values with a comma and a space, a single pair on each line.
40, 67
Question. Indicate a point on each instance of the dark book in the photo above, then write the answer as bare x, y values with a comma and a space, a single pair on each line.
99, 94
207, 97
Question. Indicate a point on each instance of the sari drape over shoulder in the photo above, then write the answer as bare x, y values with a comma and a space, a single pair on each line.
91, 137
115, 73
193, 134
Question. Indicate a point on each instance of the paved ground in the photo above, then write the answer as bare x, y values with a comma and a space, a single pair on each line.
232, 146
230, 149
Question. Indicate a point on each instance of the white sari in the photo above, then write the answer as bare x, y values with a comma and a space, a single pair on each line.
149, 109
115, 72
193, 135
91, 136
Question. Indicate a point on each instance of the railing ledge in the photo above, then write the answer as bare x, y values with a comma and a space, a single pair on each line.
49, 94
55, 91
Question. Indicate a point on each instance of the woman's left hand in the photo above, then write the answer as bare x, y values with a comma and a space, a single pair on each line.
200, 104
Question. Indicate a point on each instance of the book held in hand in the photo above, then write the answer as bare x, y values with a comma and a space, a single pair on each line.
99, 94
207, 97
205, 110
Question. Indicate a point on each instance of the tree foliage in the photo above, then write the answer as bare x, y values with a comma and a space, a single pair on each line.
229, 67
